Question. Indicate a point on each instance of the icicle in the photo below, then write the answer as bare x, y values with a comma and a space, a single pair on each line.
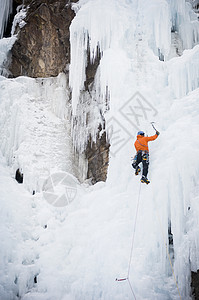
158, 26
185, 22
184, 73
87, 39
88, 32
5, 11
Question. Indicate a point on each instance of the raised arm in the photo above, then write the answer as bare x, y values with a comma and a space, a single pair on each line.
151, 138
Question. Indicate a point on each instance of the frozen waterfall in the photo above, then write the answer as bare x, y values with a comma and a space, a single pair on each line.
5, 10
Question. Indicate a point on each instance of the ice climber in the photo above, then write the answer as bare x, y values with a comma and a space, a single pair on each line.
142, 155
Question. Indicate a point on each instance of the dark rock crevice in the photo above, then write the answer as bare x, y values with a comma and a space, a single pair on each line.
170, 239
19, 176
195, 285
91, 69
97, 154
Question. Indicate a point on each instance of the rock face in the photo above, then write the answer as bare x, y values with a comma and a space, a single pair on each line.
97, 152
43, 47
98, 158
195, 285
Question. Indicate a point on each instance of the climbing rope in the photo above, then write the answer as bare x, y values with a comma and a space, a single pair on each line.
132, 246
133, 238
168, 255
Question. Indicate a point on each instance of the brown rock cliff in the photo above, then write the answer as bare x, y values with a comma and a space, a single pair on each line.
43, 47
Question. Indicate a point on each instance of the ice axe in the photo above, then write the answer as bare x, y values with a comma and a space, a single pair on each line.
153, 126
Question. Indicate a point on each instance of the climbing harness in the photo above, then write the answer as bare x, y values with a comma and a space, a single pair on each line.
145, 155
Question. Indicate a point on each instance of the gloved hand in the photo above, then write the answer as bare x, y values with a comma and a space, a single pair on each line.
157, 132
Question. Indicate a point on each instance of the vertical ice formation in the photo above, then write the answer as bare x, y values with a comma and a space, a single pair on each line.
88, 32
184, 73
137, 21
5, 46
157, 19
5, 10
19, 18
34, 131
89, 36
164, 16
185, 22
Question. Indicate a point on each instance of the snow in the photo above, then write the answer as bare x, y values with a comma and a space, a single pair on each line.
77, 250
35, 134
5, 46
19, 18
15, 236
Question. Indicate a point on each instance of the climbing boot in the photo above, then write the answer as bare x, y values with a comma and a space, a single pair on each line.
137, 170
145, 180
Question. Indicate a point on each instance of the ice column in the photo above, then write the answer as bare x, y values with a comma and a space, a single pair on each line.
5, 10
185, 22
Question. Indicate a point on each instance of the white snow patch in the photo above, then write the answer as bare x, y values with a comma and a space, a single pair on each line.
34, 127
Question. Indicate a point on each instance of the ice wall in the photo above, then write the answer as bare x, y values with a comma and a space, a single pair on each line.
5, 47
181, 194
157, 25
136, 22
34, 129
5, 10
185, 22
86, 34
34, 136
152, 23
129, 36
184, 73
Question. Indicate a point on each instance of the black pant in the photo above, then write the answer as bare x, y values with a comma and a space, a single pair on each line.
142, 156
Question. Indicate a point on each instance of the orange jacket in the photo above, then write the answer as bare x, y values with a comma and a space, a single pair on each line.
142, 142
